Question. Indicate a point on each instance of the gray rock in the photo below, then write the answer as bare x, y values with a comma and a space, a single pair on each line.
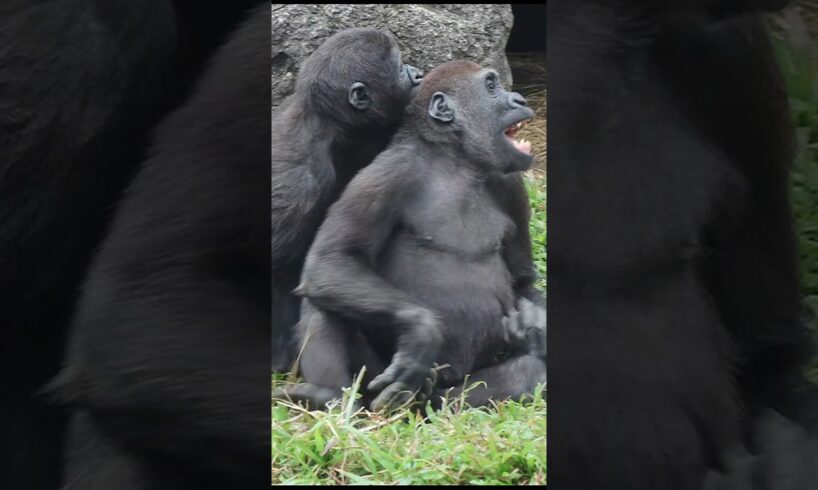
428, 34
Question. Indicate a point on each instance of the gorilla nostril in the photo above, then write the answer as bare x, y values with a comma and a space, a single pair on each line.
517, 100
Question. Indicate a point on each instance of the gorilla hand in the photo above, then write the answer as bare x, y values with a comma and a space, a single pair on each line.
411, 373
525, 328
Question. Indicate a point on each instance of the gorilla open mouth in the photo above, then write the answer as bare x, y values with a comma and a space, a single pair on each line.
523, 146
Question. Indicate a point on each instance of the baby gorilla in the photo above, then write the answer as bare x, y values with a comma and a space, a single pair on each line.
426, 257
348, 100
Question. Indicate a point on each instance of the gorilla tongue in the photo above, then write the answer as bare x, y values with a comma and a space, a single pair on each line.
522, 146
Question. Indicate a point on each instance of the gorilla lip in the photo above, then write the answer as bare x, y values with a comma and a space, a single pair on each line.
523, 146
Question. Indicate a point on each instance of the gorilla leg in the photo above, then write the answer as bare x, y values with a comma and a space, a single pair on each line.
513, 379
331, 356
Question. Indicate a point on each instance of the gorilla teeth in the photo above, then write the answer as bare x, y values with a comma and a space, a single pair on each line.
515, 128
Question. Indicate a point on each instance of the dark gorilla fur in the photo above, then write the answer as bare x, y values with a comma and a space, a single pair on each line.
174, 319
427, 255
321, 138
81, 85
672, 261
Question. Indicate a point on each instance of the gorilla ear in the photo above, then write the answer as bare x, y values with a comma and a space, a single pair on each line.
359, 96
441, 107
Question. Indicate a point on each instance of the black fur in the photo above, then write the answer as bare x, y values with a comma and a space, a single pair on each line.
426, 252
167, 370
672, 261
319, 142
81, 84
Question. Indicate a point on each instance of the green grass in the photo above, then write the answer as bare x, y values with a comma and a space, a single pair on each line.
503, 445
536, 195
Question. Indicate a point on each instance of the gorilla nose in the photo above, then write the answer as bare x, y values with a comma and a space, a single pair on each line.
516, 100
415, 75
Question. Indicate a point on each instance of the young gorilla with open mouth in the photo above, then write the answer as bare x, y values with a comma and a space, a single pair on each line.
426, 257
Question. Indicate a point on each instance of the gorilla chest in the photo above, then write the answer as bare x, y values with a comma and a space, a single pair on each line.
456, 218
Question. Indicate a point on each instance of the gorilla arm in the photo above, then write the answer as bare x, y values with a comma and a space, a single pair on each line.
339, 278
530, 324
301, 184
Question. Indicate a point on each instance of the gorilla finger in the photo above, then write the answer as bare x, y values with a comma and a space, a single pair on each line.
386, 378
390, 397
515, 327
306, 394
432, 376
542, 318
506, 324
534, 315
428, 387
528, 312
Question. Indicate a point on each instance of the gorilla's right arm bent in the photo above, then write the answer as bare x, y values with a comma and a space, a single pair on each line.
339, 276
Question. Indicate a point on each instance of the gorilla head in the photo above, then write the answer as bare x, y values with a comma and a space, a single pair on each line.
363, 67
465, 105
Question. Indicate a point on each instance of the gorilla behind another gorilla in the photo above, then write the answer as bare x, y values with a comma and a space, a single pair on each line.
348, 100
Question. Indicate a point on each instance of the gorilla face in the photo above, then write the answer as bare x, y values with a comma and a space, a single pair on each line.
471, 104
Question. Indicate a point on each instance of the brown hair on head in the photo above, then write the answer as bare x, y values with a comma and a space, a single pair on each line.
444, 77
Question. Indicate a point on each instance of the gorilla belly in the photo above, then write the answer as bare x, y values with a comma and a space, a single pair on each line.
470, 293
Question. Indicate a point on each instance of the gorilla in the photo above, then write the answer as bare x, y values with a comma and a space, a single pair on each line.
167, 366
673, 280
82, 82
349, 97
427, 256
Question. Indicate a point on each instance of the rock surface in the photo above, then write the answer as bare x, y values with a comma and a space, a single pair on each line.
428, 34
